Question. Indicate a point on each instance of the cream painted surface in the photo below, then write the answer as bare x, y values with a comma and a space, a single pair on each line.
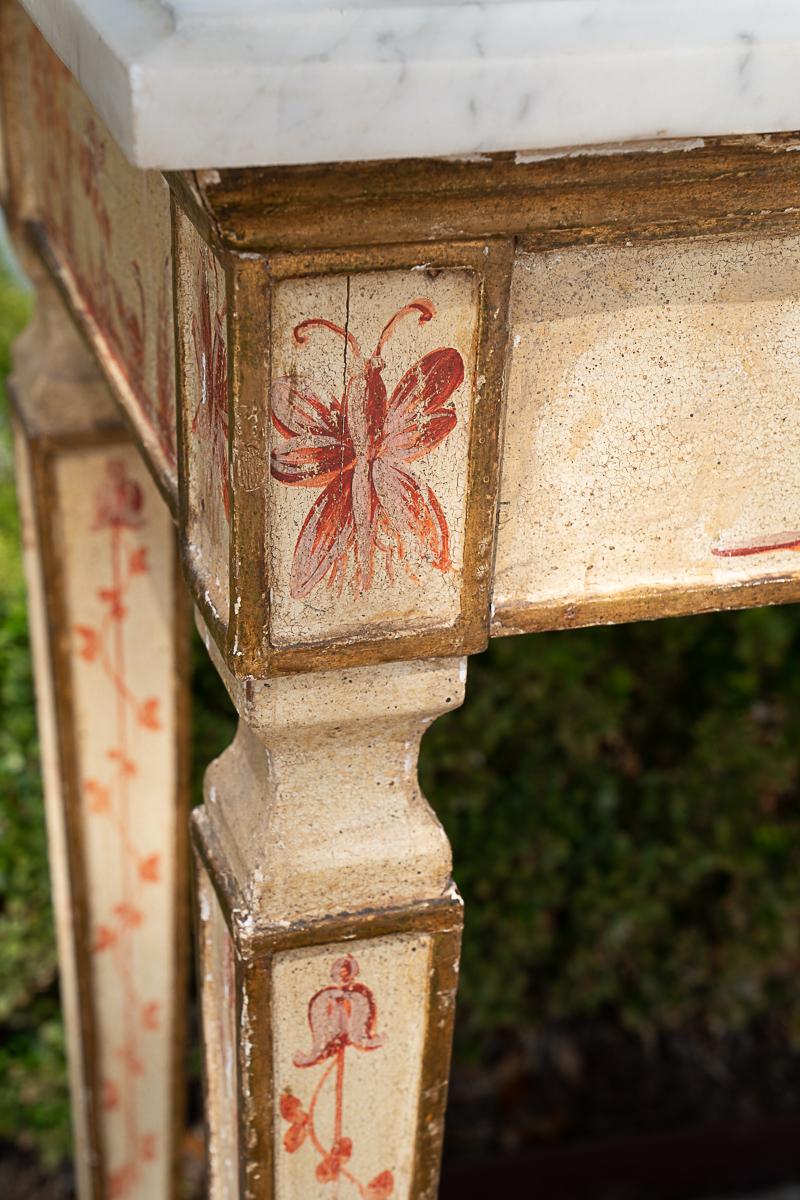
119, 580
54, 815
317, 804
203, 332
407, 589
653, 417
380, 1087
218, 989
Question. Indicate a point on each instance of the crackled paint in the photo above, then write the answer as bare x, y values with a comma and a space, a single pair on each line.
219, 1008
652, 438
370, 404
119, 578
348, 1047
108, 226
204, 336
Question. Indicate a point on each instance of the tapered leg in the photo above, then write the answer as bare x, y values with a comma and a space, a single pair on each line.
109, 634
329, 932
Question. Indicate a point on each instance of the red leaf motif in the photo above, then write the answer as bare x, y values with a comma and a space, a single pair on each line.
110, 1095
381, 1187
147, 1147
129, 1055
290, 1106
359, 450
128, 914
98, 795
89, 642
151, 1015
149, 868
126, 765
104, 938
119, 1181
331, 1165
148, 714
119, 499
293, 1112
138, 563
113, 598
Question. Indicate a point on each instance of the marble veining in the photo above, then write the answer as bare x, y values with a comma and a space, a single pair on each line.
202, 83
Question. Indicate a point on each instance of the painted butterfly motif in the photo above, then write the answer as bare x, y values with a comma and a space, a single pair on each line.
360, 449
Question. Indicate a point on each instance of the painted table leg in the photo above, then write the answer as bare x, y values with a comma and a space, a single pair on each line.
329, 932
109, 632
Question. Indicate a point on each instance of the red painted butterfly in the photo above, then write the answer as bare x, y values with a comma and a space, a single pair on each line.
359, 449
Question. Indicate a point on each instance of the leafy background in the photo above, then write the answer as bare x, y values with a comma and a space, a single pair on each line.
622, 804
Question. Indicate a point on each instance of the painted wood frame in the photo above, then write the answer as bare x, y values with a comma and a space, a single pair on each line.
103, 577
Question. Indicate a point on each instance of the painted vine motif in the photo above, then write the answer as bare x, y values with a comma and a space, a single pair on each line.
210, 418
76, 164
118, 518
341, 1016
360, 449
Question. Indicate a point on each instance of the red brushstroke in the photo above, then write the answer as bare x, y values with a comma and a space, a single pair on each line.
778, 541
341, 1016
210, 420
359, 450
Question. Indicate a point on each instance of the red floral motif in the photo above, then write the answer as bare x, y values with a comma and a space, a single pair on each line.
359, 449
91, 157
99, 796
110, 1095
147, 716
344, 1015
150, 868
210, 420
293, 1112
381, 1186
119, 501
89, 643
151, 1015
73, 169
763, 545
119, 516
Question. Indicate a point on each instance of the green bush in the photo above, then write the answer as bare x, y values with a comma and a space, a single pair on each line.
623, 807
34, 1106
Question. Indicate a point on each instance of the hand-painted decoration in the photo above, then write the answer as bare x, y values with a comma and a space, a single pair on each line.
359, 449
760, 545
108, 225
133, 865
210, 419
340, 1017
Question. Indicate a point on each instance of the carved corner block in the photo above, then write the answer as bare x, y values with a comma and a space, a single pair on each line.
338, 428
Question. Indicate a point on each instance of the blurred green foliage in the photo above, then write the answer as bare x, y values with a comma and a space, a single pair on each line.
623, 807
34, 1105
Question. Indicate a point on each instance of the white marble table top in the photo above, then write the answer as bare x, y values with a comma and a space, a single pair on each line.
225, 83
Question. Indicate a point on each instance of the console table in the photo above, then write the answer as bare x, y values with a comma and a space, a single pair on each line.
387, 327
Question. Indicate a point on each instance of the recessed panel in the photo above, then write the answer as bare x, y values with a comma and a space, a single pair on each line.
349, 1030
652, 441
371, 398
